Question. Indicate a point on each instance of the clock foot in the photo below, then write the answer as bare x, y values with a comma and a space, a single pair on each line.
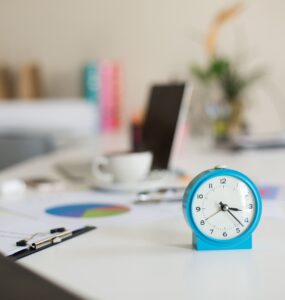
200, 244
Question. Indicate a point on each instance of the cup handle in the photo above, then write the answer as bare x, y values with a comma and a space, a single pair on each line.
99, 174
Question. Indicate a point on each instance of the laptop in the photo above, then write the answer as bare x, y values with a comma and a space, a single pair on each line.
165, 122
163, 131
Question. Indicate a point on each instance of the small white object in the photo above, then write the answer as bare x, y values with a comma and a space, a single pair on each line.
122, 167
13, 187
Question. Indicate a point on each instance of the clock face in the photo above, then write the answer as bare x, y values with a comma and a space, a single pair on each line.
223, 207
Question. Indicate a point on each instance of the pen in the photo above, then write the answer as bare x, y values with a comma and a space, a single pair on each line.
164, 196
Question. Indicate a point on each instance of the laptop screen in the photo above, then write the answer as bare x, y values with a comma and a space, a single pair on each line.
161, 120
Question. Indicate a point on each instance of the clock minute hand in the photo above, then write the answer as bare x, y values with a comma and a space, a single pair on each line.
225, 207
235, 217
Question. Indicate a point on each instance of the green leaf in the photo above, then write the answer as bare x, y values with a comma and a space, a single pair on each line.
223, 72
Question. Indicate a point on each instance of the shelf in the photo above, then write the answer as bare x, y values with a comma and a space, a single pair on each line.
75, 116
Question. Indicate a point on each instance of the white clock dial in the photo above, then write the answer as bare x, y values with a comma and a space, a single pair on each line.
223, 207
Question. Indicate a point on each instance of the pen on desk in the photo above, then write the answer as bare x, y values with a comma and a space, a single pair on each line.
165, 196
156, 201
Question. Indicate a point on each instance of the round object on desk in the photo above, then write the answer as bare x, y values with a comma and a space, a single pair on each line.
223, 208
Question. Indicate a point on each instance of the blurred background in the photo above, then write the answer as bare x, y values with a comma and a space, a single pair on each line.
81, 67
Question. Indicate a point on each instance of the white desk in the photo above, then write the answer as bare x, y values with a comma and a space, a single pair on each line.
155, 261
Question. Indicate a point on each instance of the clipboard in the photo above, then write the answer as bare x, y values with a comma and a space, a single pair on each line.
29, 285
50, 242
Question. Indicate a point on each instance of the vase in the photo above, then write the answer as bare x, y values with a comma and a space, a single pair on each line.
236, 124
228, 120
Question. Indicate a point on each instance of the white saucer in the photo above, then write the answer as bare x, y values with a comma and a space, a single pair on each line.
156, 180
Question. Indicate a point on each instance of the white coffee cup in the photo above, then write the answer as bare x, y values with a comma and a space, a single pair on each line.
122, 167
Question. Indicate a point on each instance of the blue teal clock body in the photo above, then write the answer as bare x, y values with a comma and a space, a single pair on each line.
202, 241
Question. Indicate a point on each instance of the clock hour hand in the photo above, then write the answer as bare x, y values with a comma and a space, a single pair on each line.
235, 209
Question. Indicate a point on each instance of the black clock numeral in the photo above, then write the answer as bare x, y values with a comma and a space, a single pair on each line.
200, 196
223, 181
198, 208
202, 222
246, 220
225, 234
211, 230
250, 206
237, 230
210, 185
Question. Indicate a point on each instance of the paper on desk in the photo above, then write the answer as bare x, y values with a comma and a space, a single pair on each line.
273, 196
15, 227
37, 206
21, 218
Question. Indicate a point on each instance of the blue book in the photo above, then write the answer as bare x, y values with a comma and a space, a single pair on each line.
91, 82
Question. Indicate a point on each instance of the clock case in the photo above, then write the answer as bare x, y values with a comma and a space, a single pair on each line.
203, 242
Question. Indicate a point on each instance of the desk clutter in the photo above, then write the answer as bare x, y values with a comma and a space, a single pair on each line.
37, 221
22, 234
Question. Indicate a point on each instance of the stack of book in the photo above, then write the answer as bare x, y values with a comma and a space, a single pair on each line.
103, 87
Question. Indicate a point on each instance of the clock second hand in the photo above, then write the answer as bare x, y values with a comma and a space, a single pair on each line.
225, 207
213, 214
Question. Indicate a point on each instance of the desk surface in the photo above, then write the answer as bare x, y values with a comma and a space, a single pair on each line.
155, 260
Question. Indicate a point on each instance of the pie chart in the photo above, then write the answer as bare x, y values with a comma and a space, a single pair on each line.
88, 210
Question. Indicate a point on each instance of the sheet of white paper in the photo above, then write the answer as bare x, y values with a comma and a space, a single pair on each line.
40, 206
15, 227
21, 218
273, 196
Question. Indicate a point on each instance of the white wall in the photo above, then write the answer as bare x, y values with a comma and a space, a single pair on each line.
154, 39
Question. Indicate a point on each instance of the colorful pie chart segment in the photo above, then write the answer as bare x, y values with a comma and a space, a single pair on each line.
98, 210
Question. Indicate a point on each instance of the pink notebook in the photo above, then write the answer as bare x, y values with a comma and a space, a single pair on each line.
110, 100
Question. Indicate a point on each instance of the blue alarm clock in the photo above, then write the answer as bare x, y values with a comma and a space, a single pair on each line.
223, 208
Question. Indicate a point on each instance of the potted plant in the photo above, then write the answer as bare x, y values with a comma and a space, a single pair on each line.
227, 77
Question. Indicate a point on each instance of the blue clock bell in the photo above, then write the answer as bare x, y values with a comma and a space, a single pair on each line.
223, 208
